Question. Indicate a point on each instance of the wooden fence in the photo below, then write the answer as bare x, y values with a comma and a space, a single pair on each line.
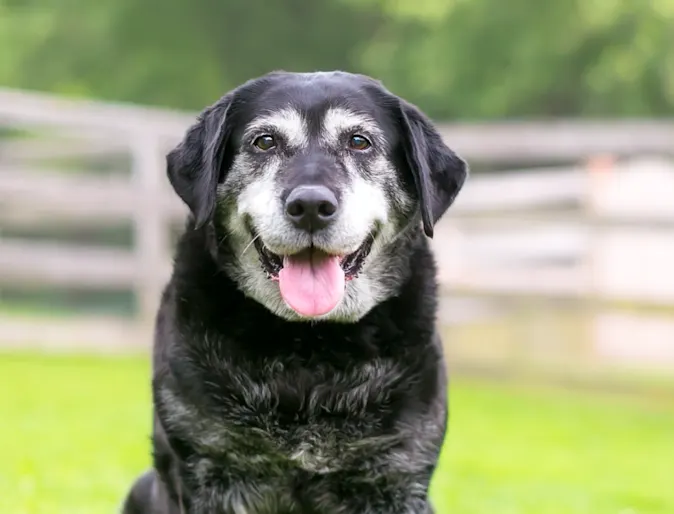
532, 232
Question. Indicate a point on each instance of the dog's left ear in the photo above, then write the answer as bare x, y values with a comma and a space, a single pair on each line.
196, 165
439, 174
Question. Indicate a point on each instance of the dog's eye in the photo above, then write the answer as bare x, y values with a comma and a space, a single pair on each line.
265, 142
358, 142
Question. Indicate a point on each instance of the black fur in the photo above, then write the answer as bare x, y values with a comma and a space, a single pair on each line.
257, 414
438, 172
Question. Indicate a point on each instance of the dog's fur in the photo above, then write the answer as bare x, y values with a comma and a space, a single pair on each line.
260, 410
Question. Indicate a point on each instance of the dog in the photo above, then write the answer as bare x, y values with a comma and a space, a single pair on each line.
296, 366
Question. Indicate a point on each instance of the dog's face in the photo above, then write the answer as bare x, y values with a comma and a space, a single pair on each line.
312, 181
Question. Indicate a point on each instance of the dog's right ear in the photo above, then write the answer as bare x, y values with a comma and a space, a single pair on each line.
195, 166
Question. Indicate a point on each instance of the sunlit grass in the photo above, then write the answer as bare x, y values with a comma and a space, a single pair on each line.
74, 434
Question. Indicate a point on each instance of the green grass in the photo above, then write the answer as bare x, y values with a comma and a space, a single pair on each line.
74, 433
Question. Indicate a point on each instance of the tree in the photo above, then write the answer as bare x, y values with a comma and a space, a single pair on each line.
495, 59
180, 53
457, 59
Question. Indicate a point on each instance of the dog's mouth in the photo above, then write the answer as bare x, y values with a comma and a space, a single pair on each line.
351, 264
312, 281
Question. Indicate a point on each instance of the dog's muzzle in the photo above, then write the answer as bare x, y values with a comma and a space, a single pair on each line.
312, 281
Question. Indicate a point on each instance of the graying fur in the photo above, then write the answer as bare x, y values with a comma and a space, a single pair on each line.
256, 409
372, 198
247, 444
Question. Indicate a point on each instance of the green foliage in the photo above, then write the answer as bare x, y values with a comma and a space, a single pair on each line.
486, 58
175, 53
455, 58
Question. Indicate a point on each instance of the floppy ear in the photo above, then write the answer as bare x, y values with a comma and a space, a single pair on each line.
439, 174
195, 166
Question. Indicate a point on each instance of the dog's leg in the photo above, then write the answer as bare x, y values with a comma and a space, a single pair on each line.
139, 499
148, 496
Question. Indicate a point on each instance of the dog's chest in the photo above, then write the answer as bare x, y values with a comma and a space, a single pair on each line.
277, 419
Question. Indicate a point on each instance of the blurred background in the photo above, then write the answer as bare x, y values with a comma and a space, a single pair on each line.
555, 263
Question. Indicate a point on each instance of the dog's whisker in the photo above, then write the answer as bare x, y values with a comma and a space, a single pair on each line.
252, 241
404, 231
222, 241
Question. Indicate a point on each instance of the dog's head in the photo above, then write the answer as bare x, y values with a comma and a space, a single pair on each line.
310, 181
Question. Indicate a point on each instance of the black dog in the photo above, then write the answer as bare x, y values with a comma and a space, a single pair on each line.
297, 368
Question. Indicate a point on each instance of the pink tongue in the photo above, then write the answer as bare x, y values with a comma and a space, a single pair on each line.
312, 282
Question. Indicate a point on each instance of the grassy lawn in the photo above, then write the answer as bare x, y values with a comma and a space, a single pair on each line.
73, 434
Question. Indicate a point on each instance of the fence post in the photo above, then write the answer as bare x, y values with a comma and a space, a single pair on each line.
151, 232
598, 170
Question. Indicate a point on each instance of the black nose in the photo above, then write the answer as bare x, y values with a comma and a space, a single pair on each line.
311, 208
